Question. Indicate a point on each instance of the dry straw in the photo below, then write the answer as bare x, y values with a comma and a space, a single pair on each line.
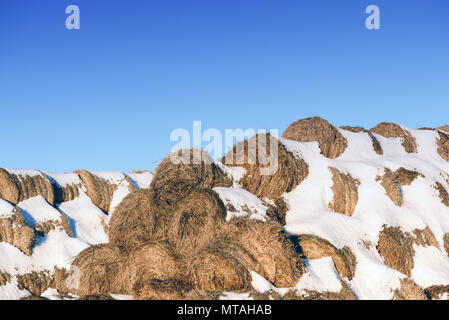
99, 190
393, 130
344, 294
14, 230
290, 172
174, 181
345, 189
443, 144
332, 143
376, 144
35, 282
442, 193
5, 278
392, 182
99, 270
314, 247
436, 292
396, 249
65, 193
409, 290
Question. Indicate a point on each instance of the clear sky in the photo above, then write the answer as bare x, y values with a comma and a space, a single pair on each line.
107, 96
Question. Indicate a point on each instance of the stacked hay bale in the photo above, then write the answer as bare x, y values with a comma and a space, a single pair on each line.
376, 144
393, 130
314, 247
253, 157
331, 142
172, 241
14, 230
19, 186
392, 182
345, 190
99, 190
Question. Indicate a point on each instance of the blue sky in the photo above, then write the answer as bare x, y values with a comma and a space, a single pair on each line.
107, 96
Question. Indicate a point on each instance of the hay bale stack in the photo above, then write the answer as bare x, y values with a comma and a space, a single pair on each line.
396, 249
393, 130
436, 292
193, 221
290, 172
8, 188
409, 290
174, 181
133, 221
49, 225
99, 190
216, 268
376, 144
19, 187
442, 193
5, 278
262, 247
99, 269
314, 247
443, 145
392, 186
332, 143
345, 189
35, 282
153, 260
14, 230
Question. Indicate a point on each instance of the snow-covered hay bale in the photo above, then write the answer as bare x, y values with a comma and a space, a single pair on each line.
442, 193
345, 189
332, 143
20, 186
409, 290
66, 193
133, 221
405, 177
14, 230
444, 128
99, 269
437, 292
396, 249
153, 260
425, 238
393, 130
290, 172
99, 190
215, 269
277, 210
265, 250
314, 247
5, 278
194, 220
61, 223
173, 181
446, 243
376, 144
35, 282
443, 144
392, 186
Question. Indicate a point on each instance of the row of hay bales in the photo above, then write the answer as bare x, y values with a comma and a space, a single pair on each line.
19, 186
172, 241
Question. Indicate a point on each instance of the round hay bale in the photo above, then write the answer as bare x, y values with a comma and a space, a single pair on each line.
267, 251
98, 268
67, 193
35, 282
314, 247
331, 142
5, 278
376, 144
442, 193
393, 130
345, 189
99, 190
133, 221
424, 237
396, 249
405, 177
157, 289
278, 210
8, 188
194, 220
409, 290
290, 172
14, 230
392, 186
437, 292
443, 145
173, 181
213, 269
153, 260
446, 243
30, 186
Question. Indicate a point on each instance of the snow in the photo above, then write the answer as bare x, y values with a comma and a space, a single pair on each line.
260, 284
65, 179
244, 202
142, 180
11, 291
234, 296
321, 276
6, 209
37, 210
